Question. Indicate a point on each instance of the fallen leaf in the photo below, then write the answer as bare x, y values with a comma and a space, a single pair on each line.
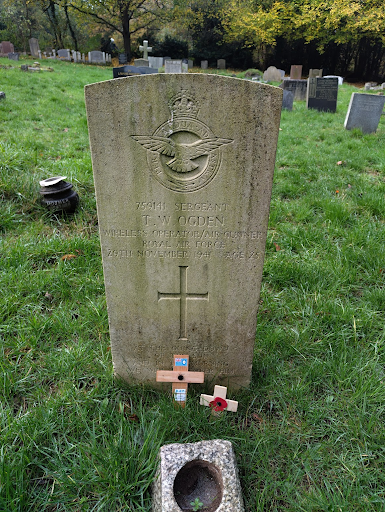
48, 296
134, 417
277, 247
66, 129
340, 162
337, 191
257, 418
68, 257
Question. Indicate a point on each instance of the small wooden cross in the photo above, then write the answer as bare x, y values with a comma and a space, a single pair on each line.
180, 378
218, 401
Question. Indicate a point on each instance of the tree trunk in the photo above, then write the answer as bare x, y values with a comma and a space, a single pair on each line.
73, 35
125, 19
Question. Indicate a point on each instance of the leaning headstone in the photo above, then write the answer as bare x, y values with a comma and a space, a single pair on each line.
185, 66
322, 94
282, 71
364, 112
314, 73
183, 209
155, 62
272, 74
204, 64
64, 54
221, 64
173, 66
5, 48
141, 63
34, 47
123, 71
204, 473
287, 100
190, 63
340, 78
13, 56
74, 55
297, 87
96, 57
296, 72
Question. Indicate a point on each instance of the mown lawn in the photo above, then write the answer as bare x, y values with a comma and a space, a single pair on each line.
309, 434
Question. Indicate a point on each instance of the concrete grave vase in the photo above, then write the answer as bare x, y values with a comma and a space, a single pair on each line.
204, 474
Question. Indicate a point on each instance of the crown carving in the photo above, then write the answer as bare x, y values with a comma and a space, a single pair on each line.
184, 105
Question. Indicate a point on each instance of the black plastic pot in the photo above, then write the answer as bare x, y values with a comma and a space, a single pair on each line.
58, 195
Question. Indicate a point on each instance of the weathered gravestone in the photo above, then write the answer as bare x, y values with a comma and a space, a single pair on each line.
96, 57
287, 100
64, 54
145, 49
5, 48
155, 62
173, 66
297, 87
204, 64
142, 63
364, 112
34, 47
221, 64
296, 72
322, 94
13, 56
123, 71
272, 74
122, 57
313, 73
183, 169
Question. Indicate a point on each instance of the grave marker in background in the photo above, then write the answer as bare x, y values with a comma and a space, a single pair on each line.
204, 64
322, 94
296, 72
34, 47
297, 87
364, 112
173, 66
183, 170
287, 100
313, 73
272, 74
5, 48
221, 64
155, 62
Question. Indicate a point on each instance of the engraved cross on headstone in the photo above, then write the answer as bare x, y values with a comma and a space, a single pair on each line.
145, 49
183, 297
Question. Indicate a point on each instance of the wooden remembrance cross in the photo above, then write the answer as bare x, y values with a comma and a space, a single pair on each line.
180, 378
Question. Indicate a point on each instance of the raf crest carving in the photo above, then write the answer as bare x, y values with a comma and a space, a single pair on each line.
183, 153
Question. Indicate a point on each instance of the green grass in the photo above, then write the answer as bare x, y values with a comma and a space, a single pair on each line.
309, 434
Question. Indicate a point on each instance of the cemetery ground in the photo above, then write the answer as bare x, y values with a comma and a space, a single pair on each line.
309, 432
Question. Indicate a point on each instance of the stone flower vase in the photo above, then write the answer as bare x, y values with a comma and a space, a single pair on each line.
58, 195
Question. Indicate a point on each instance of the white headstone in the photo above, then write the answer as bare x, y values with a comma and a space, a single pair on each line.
173, 66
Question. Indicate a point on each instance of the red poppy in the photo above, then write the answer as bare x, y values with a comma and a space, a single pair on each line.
218, 404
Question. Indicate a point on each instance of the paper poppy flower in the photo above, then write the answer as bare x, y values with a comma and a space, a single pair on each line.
218, 404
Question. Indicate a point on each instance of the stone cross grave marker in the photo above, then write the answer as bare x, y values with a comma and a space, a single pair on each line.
183, 204
145, 49
322, 94
180, 378
364, 112
218, 401
296, 71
